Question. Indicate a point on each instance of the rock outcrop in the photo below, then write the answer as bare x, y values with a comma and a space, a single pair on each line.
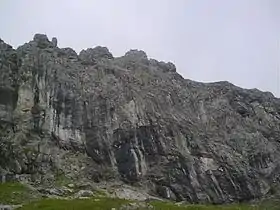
92, 56
95, 117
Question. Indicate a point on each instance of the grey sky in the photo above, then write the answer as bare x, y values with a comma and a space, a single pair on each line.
208, 40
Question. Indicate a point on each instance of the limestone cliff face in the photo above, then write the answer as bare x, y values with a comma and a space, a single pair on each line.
134, 119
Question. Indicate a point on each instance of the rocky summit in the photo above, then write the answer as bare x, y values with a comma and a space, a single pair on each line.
90, 117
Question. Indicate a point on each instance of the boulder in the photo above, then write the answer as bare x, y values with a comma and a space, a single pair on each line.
84, 193
9, 207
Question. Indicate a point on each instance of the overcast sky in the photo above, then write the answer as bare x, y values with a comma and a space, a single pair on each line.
208, 40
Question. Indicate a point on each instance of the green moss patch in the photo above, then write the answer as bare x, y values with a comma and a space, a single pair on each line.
76, 204
15, 193
173, 206
266, 205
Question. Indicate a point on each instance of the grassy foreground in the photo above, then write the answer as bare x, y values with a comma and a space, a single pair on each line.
15, 193
77, 204
109, 204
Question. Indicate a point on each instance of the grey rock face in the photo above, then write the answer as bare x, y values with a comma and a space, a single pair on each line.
54, 41
41, 40
132, 119
68, 53
84, 193
136, 54
92, 55
166, 67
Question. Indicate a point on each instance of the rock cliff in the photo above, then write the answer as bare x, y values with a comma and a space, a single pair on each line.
132, 119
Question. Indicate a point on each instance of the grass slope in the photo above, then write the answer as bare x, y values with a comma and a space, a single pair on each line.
77, 204
15, 193
110, 203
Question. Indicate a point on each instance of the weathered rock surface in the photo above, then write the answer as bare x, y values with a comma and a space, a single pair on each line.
133, 119
136, 206
9, 207
92, 55
84, 193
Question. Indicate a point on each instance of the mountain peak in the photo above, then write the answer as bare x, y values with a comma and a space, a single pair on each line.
133, 120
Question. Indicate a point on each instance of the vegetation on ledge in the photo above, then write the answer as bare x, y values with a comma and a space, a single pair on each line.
16, 193
114, 203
